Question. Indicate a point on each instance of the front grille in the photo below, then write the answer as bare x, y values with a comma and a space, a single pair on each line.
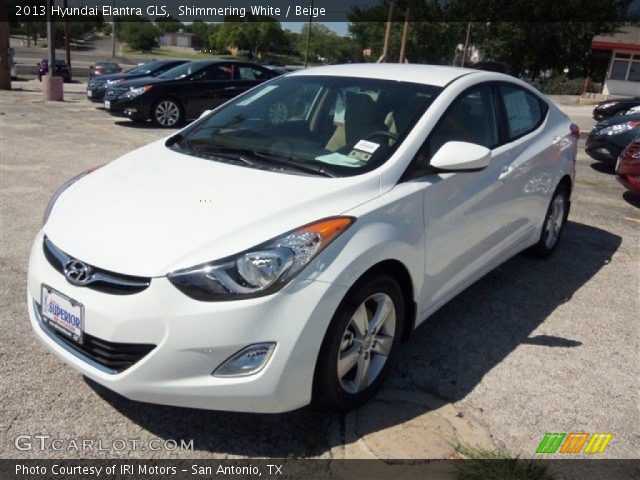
114, 357
100, 280
113, 93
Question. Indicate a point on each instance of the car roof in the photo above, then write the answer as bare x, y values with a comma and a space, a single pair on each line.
427, 74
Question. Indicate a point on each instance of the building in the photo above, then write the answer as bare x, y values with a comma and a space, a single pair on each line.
620, 52
175, 39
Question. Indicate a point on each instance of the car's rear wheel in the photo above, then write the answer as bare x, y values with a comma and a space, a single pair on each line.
360, 346
167, 113
553, 225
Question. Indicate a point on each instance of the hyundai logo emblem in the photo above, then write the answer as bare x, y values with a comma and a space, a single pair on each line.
77, 272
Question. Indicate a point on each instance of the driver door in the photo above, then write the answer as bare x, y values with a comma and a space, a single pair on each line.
467, 220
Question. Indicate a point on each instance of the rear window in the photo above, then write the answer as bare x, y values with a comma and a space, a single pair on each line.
524, 110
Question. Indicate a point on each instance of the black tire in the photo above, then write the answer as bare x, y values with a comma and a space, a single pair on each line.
329, 392
174, 113
545, 248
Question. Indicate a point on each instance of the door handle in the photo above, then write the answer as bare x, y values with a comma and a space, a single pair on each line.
506, 172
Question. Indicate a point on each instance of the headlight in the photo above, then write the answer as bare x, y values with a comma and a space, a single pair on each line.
607, 104
64, 186
619, 128
261, 270
137, 91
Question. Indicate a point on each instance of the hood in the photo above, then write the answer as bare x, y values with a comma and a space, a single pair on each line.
616, 120
107, 76
139, 81
155, 210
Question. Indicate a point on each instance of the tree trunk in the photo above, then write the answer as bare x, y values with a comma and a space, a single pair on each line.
5, 73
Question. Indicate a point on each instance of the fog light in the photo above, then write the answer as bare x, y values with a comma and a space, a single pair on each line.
130, 111
247, 361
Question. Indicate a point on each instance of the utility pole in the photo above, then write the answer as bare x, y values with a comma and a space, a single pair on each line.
466, 44
52, 87
387, 36
51, 41
306, 50
67, 46
405, 35
5, 69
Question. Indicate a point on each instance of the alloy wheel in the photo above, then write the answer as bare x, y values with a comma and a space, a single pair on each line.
366, 343
167, 113
554, 221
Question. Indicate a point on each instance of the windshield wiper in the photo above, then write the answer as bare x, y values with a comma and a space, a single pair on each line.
244, 155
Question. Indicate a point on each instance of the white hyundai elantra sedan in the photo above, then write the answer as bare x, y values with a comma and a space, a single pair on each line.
277, 250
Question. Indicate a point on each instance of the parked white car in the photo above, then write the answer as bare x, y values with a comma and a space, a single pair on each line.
279, 249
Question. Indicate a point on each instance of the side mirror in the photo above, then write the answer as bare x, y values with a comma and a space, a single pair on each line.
461, 156
205, 113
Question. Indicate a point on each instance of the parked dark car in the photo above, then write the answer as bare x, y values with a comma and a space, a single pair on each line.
183, 92
609, 138
97, 86
62, 69
628, 167
613, 108
104, 68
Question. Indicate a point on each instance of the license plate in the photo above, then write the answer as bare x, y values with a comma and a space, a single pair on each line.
88, 93
107, 104
63, 313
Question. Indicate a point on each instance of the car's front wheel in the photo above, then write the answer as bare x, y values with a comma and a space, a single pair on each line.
553, 225
167, 113
360, 346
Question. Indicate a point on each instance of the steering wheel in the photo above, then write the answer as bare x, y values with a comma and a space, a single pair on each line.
383, 133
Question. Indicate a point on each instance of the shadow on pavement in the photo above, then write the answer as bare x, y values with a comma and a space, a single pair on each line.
631, 199
604, 167
448, 355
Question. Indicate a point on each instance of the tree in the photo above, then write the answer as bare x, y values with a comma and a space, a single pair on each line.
255, 34
326, 45
168, 24
138, 32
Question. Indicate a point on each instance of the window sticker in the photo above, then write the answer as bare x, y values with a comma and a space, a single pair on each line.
341, 160
366, 146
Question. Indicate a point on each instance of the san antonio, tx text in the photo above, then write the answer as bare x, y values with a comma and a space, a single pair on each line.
142, 469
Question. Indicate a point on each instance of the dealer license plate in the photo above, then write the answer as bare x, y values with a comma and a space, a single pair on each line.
63, 313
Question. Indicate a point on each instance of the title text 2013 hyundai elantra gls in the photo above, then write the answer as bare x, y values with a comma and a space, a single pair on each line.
279, 249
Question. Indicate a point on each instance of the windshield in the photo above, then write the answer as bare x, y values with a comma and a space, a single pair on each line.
344, 126
182, 71
146, 69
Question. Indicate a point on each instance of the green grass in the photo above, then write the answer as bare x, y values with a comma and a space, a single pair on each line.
482, 464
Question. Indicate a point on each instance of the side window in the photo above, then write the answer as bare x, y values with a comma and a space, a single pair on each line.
471, 118
524, 111
214, 72
251, 73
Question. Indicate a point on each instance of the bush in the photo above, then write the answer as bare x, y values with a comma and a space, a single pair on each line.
562, 85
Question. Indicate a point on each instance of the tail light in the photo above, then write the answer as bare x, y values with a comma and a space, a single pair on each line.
575, 131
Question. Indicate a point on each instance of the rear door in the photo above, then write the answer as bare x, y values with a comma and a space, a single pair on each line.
207, 88
530, 159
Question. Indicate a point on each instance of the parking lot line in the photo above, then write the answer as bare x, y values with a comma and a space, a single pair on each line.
113, 133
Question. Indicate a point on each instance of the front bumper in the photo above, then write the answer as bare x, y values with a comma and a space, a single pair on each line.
193, 338
131, 108
602, 149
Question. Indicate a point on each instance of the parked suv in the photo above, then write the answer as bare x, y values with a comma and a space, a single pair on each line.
183, 92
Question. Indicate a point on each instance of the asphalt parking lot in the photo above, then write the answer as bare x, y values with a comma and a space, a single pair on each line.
534, 347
